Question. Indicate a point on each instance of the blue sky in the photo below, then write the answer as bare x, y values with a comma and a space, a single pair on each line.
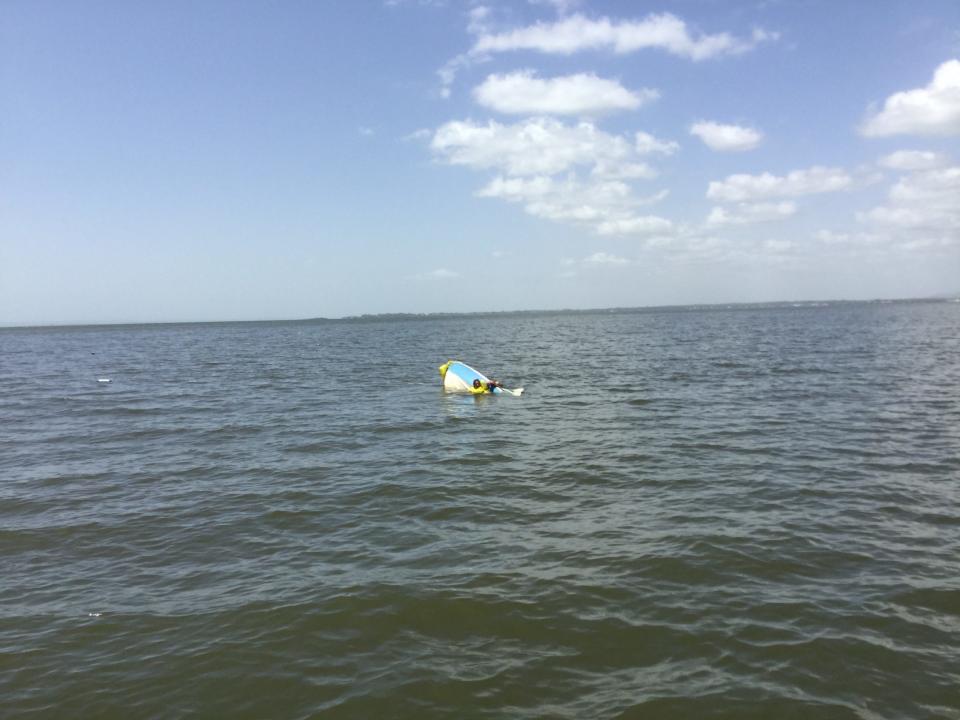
176, 161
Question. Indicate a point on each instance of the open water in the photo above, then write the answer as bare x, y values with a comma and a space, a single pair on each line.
750, 512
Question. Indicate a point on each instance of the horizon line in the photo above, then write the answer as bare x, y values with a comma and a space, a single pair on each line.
478, 313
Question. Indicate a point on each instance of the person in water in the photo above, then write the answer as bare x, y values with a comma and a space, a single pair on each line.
484, 388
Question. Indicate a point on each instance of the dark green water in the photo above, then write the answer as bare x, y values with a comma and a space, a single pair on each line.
737, 513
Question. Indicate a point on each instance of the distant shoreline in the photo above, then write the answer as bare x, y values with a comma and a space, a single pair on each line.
384, 317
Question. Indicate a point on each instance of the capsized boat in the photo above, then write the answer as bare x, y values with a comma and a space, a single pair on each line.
459, 377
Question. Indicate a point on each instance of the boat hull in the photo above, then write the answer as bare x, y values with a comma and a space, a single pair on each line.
459, 377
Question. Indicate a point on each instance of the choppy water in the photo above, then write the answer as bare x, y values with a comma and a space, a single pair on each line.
744, 513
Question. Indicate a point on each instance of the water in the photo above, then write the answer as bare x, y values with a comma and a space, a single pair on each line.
743, 513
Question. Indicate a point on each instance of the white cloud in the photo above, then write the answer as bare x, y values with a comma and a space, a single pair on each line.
567, 199
608, 208
518, 189
935, 187
748, 188
913, 160
653, 199
418, 135
532, 147
564, 173
931, 110
478, 17
443, 274
523, 92
829, 237
602, 258
923, 204
577, 32
726, 138
422, 3
448, 73
636, 225
623, 171
749, 213
563, 7
690, 246
365, 131
592, 262
647, 144
574, 33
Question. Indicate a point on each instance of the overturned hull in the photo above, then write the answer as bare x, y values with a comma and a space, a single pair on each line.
459, 377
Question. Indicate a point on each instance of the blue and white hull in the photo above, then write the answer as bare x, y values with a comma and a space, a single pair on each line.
459, 377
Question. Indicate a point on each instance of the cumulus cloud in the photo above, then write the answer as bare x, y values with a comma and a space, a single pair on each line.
443, 274
930, 110
560, 172
563, 7
726, 138
478, 17
569, 199
636, 225
523, 92
921, 205
623, 171
749, 213
518, 189
749, 188
477, 25
913, 160
595, 261
829, 237
647, 144
418, 135
921, 212
602, 258
448, 73
531, 147
576, 33
653, 199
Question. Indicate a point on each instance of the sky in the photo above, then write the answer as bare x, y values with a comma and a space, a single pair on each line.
237, 160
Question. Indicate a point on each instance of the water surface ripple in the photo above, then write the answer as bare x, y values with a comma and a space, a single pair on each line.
742, 512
